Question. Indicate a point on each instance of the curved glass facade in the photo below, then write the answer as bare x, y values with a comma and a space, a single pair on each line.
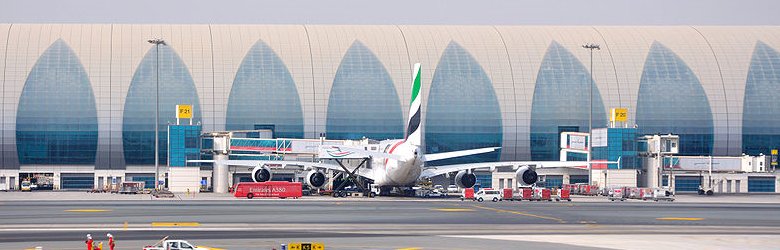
672, 100
175, 87
56, 121
561, 102
363, 101
463, 111
264, 93
761, 110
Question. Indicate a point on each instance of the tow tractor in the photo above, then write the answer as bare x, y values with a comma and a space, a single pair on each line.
166, 244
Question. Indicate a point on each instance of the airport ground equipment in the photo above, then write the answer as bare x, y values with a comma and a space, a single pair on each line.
507, 194
563, 194
541, 194
658, 194
166, 244
617, 194
526, 194
268, 189
132, 187
468, 194
486, 194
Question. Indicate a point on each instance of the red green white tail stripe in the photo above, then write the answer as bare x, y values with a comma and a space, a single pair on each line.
413, 134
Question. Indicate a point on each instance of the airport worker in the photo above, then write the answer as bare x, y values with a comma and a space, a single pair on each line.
89, 242
111, 242
100, 246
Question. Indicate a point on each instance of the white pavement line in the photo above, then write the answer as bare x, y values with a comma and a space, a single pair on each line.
647, 241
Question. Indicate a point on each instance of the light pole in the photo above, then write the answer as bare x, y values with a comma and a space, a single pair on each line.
157, 42
591, 47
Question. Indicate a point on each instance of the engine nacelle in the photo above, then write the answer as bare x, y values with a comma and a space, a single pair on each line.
465, 180
315, 178
261, 174
526, 176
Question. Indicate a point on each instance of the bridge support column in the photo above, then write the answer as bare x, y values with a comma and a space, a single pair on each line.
220, 174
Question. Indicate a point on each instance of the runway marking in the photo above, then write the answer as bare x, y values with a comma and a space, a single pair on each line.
410, 248
453, 209
521, 213
175, 224
209, 248
88, 210
124, 227
680, 218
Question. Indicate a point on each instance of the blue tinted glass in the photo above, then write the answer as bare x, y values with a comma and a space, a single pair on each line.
264, 93
363, 101
561, 102
56, 121
761, 112
671, 100
176, 87
761, 184
687, 183
463, 111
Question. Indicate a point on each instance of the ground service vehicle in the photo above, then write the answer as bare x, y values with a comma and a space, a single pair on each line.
488, 194
173, 245
26, 186
268, 189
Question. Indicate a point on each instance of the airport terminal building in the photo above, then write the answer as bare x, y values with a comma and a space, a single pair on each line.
78, 100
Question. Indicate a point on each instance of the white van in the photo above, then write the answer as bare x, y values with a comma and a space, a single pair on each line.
488, 194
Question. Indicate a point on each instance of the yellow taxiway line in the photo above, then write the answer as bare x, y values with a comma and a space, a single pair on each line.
522, 213
453, 209
88, 210
175, 224
680, 218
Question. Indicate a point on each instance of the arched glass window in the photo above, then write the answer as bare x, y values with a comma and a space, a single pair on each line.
561, 102
363, 101
463, 111
672, 100
264, 93
56, 121
176, 87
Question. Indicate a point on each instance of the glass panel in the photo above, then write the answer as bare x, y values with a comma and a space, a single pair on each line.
264, 92
363, 101
672, 100
561, 102
176, 87
463, 111
761, 112
56, 121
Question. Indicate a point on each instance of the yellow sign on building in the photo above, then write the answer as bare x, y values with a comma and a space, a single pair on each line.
183, 111
619, 115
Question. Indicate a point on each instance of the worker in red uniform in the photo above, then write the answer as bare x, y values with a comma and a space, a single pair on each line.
111, 243
89, 242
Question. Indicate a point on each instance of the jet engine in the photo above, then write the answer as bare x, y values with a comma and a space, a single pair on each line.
261, 174
315, 178
465, 179
526, 176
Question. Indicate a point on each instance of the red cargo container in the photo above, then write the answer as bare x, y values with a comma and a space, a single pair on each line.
268, 189
527, 193
565, 194
546, 195
507, 194
468, 193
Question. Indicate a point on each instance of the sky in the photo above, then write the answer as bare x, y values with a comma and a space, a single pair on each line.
460, 12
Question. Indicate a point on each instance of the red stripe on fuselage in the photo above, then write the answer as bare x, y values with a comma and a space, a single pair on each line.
391, 151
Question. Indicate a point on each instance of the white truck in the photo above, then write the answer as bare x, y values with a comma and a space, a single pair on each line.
166, 244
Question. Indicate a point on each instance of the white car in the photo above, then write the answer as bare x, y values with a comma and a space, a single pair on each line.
452, 189
488, 194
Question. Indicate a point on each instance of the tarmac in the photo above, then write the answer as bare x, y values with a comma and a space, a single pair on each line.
60, 220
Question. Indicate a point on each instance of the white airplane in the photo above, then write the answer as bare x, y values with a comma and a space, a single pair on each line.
399, 163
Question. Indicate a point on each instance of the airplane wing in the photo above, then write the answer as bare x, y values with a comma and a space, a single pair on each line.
453, 154
439, 170
363, 172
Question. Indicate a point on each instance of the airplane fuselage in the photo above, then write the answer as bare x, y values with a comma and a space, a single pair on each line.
403, 172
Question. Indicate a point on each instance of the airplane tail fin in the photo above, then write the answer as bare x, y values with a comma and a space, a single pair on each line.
413, 133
